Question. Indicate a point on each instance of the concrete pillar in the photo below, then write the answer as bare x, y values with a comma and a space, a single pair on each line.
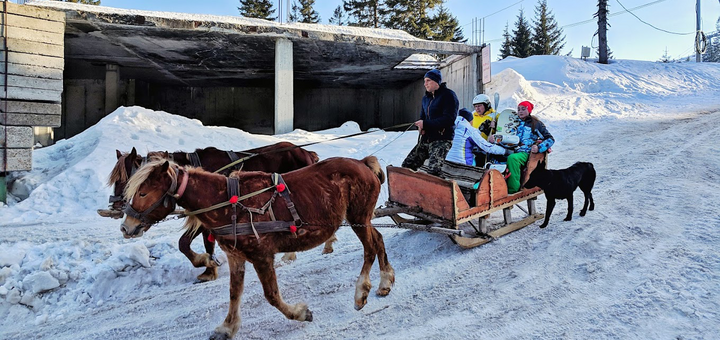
112, 83
284, 107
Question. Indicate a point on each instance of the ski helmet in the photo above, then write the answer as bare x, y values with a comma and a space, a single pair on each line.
482, 99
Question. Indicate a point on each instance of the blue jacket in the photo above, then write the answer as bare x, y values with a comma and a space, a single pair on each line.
528, 136
438, 114
467, 137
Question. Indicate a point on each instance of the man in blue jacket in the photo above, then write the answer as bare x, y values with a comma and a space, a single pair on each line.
439, 110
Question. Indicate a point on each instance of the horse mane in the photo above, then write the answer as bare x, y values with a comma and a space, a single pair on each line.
192, 224
118, 172
143, 173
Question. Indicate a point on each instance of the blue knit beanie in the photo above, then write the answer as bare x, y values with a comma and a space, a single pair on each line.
434, 75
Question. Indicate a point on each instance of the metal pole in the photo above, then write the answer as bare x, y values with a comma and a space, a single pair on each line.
698, 56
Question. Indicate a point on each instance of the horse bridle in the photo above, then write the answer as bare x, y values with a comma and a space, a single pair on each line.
133, 169
170, 197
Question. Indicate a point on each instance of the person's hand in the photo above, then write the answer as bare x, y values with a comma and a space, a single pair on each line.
419, 125
492, 124
491, 139
534, 149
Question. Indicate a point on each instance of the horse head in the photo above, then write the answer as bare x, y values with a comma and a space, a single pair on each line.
126, 165
152, 193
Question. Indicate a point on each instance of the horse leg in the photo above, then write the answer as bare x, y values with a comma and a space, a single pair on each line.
548, 210
198, 260
329, 244
289, 257
363, 285
387, 273
266, 273
237, 283
211, 271
588, 198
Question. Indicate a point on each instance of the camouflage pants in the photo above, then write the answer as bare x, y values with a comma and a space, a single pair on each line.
434, 152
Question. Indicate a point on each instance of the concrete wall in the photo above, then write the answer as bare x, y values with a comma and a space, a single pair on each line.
461, 77
250, 109
317, 109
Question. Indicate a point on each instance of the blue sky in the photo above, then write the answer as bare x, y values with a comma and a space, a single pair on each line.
628, 37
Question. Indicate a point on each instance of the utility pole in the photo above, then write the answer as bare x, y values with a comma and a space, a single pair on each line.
602, 31
698, 52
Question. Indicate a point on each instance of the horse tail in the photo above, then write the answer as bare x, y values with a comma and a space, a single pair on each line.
374, 165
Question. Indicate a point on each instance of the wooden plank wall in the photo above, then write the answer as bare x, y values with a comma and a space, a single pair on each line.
31, 78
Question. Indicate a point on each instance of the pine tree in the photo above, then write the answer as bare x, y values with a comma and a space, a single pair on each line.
665, 57
520, 42
506, 48
295, 12
86, 2
364, 13
338, 17
410, 16
547, 37
261, 9
445, 27
304, 12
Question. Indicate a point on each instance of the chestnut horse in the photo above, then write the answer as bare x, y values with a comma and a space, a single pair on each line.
279, 157
324, 194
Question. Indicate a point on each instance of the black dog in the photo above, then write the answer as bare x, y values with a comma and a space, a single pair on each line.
560, 184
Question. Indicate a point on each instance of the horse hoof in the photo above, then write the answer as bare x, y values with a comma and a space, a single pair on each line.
210, 274
383, 291
327, 251
542, 226
308, 316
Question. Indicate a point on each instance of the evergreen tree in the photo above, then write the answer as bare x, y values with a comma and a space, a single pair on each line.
86, 2
294, 12
338, 17
506, 48
261, 9
547, 37
665, 57
364, 13
445, 27
520, 43
410, 16
304, 12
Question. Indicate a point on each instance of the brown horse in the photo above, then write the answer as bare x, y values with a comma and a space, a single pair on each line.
324, 194
279, 157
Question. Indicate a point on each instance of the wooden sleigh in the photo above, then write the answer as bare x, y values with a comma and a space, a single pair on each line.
451, 206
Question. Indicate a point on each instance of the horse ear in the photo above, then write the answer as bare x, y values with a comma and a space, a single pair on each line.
133, 153
165, 166
118, 153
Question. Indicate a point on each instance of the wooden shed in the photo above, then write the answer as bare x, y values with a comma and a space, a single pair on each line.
31, 73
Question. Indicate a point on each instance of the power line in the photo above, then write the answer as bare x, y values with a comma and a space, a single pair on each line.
646, 23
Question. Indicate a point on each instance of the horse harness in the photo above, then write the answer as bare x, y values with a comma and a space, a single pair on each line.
235, 229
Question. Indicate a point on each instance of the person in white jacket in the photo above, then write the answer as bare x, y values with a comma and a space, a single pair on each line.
466, 137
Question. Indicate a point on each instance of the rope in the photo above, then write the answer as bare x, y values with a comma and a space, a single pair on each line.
313, 143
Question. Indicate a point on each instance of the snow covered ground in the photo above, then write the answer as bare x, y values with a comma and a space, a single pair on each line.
644, 265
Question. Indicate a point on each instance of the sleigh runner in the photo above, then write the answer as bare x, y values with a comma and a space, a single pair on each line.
456, 206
